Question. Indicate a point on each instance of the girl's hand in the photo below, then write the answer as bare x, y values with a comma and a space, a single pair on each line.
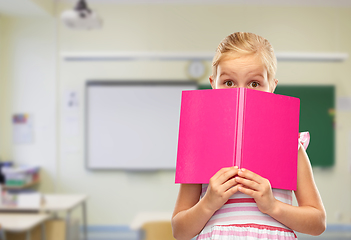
257, 187
221, 186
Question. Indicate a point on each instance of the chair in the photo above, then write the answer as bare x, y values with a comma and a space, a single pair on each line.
2, 234
157, 230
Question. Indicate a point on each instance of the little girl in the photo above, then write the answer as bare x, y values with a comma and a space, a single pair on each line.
238, 203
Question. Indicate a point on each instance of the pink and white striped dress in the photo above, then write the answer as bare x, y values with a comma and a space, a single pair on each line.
240, 219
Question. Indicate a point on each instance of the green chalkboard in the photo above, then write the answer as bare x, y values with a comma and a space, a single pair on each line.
317, 112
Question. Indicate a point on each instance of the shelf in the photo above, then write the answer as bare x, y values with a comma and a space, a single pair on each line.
28, 185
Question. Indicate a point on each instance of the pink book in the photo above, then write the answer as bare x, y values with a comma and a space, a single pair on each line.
238, 127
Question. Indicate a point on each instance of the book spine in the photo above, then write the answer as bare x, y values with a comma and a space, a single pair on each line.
239, 135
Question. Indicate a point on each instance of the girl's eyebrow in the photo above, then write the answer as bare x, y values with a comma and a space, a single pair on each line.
255, 74
259, 75
227, 74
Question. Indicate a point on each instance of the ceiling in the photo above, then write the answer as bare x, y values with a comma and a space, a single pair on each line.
29, 7
19, 7
246, 2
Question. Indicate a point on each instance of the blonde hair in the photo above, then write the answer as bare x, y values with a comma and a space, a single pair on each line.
241, 44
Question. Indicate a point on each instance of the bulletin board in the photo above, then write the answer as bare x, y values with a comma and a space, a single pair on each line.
317, 116
133, 125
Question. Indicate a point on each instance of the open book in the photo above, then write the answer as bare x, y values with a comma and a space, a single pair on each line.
238, 127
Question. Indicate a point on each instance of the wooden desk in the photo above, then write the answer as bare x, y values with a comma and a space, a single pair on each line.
144, 217
66, 202
22, 222
153, 225
54, 203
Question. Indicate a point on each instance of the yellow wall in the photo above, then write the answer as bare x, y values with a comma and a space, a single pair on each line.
1, 81
2, 98
116, 196
4, 94
47, 5
28, 83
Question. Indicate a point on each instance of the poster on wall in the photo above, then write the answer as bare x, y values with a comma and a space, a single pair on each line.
71, 114
23, 128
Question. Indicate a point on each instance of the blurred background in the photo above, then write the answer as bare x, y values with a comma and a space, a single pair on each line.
44, 64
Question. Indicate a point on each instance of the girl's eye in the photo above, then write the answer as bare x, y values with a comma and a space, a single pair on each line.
254, 84
229, 83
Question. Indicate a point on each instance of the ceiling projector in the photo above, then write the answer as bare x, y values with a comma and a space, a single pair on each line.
81, 17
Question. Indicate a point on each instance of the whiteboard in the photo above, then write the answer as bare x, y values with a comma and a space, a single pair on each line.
133, 125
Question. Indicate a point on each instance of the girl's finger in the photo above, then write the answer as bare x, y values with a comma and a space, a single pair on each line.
250, 175
247, 191
248, 183
219, 173
228, 174
229, 184
224, 174
231, 191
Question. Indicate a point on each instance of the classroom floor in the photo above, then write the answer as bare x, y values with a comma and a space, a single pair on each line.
339, 233
327, 236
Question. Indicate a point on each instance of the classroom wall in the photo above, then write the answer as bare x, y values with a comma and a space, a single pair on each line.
115, 197
29, 86
5, 144
47, 6
2, 93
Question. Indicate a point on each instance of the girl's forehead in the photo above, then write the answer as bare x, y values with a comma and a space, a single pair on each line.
250, 60
247, 57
